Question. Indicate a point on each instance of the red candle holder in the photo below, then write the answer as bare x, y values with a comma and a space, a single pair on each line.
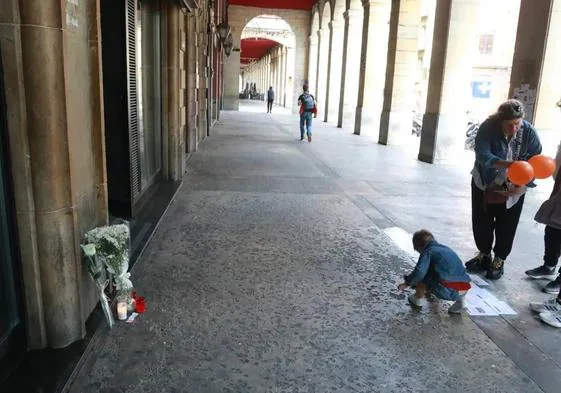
140, 305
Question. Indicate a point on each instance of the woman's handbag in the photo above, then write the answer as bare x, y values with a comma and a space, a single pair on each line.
549, 212
495, 195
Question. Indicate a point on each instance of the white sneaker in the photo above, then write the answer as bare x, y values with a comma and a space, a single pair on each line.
458, 306
551, 305
551, 318
415, 301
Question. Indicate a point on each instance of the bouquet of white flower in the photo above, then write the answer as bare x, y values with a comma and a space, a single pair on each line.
95, 270
110, 245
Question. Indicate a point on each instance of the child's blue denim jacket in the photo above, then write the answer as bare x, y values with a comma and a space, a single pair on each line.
441, 263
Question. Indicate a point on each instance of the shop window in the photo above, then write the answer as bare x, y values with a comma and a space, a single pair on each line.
486, 44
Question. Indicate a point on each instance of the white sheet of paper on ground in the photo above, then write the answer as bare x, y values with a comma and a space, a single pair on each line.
503, 308
478, 280
482, 302
402, 239
481, 309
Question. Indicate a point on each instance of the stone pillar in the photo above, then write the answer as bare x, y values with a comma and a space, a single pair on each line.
290, 87
372, 71
336, 32
285, 81
231, 78
399, 91
323, 60
279, 74
192, 83
449, 81
313, 62
350, 70
529, 54
176, 150
328, 46
53, 91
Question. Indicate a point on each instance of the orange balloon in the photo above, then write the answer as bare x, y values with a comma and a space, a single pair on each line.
520, 173
543, 166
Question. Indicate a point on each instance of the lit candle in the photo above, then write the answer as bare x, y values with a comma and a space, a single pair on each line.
121, 310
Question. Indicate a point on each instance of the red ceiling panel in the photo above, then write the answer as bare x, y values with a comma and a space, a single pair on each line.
255, 48
282, 4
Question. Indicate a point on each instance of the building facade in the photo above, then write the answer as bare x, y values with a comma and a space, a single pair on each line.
102, 102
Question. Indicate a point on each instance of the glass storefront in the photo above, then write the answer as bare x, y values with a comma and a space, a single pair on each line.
149, 77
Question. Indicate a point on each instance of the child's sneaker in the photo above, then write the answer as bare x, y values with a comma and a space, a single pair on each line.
551, 305
415, 301
551, 318
458, 306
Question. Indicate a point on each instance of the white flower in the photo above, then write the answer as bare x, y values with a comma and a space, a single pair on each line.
89, 249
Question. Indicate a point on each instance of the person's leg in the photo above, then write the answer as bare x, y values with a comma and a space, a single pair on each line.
416, 298
505, 230
551, 313
552, 251
483, 225
552, 245
309, 125
420, 290
302, 125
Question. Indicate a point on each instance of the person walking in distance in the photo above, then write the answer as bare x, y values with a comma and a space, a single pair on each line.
307, 104
270, 99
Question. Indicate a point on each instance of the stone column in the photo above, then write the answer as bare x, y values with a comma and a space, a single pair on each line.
449, 81
328, 36
399, 91
313, 62
231, 78
290, 87
278, 64
285, 80
49, 85
176, 151
372, 71
281, 76
336, 33
529, 54
350, 70
323, 66
192, 83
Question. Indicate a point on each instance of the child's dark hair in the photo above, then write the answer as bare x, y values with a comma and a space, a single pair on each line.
421, 239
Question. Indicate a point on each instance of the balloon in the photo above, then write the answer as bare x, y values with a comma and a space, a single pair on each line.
520, 173
543, 166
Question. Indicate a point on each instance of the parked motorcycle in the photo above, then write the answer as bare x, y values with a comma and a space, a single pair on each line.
417, 124
471, 131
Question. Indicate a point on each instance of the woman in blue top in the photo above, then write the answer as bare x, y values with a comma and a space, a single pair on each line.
496, 204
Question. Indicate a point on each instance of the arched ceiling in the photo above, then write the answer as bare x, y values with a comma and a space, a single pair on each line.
252, 49
280, 4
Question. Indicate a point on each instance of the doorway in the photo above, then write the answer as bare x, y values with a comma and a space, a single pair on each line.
12, 334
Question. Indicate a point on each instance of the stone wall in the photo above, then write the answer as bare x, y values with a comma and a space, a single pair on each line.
50, 51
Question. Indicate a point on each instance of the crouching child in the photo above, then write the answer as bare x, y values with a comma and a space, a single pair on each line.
439, 271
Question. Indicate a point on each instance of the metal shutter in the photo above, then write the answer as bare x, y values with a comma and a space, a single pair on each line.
134, 148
